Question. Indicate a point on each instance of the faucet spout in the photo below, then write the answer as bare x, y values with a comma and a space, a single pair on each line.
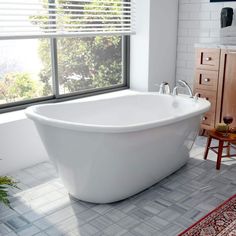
175, 91
183, 83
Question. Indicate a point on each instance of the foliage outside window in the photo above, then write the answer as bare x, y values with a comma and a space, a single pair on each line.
48, 68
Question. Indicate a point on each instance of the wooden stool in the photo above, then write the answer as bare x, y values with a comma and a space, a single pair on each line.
231, 138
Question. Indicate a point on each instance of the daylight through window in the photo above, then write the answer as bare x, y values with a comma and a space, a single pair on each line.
52, 49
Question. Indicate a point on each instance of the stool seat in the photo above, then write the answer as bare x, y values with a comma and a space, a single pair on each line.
220, 136
230, 138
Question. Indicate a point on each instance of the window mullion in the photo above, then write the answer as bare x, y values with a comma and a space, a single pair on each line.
54, 63
126, 60
53, 43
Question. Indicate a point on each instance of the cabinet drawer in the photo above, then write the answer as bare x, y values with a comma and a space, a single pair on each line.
208, 119
208, 95
207, 80
208, 59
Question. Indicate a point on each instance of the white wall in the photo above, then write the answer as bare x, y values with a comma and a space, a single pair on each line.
153, 48
20, 145
163, 42
139, 58
199, 22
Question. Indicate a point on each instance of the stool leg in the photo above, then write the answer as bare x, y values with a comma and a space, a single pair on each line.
220, 150
207, 147
202, 132
228, 149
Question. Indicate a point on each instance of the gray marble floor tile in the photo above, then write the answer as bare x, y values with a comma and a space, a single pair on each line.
42, 207
115, 215
169, 214
17, 223
184, 222
11, 234
115, 230
30, 231
53, 231
144, 230
88, 230
102, 208
157, 222
88, 215
101, 222
128, 234
41, 234
43, 224
60, 215
128, 222
4, 229
141, 214
172, 230
151, 206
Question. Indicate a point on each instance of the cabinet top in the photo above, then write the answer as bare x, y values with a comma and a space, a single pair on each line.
214, 45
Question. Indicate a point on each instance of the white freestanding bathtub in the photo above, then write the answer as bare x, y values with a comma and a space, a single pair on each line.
109, 149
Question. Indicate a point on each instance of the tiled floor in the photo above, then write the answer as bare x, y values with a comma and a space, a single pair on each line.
42, 207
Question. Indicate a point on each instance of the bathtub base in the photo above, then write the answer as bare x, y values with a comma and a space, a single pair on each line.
105, 168
94, 199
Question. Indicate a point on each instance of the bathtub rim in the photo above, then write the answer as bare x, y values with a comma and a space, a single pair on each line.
33, 115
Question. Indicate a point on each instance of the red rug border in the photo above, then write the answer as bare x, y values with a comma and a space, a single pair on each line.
217, 208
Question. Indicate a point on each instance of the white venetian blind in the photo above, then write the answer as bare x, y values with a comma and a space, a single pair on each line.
54, 18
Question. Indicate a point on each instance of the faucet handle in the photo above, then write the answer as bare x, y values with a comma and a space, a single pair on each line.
196, 96
164, 83
164, 88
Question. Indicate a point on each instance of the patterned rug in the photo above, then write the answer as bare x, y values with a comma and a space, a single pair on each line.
219, 222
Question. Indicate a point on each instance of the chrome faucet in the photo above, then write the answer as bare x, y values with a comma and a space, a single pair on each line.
175, 91
164, 88
183, 83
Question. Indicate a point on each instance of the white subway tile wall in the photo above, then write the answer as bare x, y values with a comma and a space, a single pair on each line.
199, 22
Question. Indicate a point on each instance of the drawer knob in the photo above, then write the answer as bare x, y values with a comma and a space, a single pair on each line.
207, 80
208, 58
207, 98
204, 118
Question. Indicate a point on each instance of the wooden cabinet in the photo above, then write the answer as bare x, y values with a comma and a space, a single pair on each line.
215, 80
206, 81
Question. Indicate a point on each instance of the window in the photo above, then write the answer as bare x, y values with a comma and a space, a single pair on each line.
60, 49
24, 74
80, 69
